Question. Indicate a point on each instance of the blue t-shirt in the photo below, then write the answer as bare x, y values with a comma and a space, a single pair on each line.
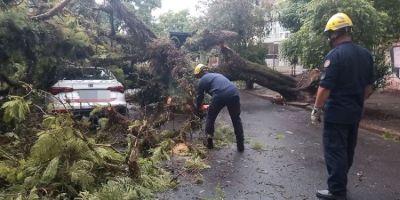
215, 85
348, 69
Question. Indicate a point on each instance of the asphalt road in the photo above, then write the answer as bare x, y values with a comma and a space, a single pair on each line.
291, 166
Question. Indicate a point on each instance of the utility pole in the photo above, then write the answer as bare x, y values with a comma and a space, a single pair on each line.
273, 56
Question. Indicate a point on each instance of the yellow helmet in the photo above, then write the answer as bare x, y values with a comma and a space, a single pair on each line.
200, 68
338, 21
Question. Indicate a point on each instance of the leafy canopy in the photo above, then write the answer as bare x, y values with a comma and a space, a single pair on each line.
308, 44
175, 21
143, 8
250, 19
246, 17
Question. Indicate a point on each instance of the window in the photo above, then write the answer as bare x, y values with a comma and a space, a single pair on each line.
85, 74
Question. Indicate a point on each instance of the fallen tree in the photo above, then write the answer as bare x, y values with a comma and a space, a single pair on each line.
50, 13
55, 156
166, 59
236, 68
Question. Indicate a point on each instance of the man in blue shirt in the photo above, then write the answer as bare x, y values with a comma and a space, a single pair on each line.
224, 93
346, 82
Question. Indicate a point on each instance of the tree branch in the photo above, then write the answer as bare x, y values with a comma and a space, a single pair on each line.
137, 29
50, 13
117, 60
4, 78
106, 9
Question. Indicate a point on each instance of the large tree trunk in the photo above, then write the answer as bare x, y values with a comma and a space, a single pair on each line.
139, 32
249, 85
236, 68
50, 13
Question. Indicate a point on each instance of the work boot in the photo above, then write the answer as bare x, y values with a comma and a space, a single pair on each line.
240, 146
208, 142
326, 195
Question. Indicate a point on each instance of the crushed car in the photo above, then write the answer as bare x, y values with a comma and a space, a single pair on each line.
80, 90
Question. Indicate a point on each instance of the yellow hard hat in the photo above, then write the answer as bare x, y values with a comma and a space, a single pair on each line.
338, 21
200, 68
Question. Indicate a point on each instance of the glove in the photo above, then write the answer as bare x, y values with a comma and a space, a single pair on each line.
204, 107
316, 116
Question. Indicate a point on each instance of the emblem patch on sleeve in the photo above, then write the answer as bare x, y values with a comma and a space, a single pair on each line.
327, 63
323, 75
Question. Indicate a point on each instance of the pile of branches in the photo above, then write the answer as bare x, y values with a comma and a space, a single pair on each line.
63, 158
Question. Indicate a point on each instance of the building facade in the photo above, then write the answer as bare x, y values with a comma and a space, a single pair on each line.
273, 42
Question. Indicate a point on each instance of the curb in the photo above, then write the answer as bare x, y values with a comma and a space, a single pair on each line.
378, 129
274, 100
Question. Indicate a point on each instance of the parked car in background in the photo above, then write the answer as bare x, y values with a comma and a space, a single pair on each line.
81, 89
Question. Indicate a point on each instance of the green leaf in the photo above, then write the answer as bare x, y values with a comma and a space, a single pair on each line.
196, 164
46, 147
103, 123
9, 172
50, 121
51, 171
280, 136
33, 194
80, 173
15, 109
96, 110
162, 151
110, 154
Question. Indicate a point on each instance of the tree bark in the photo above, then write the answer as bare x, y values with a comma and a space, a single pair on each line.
237, 68
249, 85
50, 13
137, 29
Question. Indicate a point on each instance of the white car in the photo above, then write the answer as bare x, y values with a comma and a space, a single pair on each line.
81, 89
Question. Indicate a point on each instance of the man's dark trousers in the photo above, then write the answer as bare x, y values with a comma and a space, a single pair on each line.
339, 144
233, 105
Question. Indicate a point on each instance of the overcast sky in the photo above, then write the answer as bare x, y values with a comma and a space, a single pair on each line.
177, 5
174, 5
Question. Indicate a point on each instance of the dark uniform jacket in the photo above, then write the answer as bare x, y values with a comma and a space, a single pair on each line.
348, 69
216, 85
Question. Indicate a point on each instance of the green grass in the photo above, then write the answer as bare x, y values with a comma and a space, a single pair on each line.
196, 164
219, 193
223, 135
391, 136
198, 179
280, 136
257, 146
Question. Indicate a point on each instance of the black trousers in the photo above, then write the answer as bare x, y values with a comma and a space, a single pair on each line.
339, 142
233, 105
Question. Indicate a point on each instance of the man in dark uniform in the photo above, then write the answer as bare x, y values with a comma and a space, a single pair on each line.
224, 93
346, 82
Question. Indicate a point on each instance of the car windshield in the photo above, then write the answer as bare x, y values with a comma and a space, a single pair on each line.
85, 74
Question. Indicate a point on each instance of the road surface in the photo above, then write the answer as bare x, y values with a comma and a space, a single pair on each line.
291, 166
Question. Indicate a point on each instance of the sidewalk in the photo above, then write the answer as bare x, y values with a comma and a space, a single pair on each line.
382, 113
382, 110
